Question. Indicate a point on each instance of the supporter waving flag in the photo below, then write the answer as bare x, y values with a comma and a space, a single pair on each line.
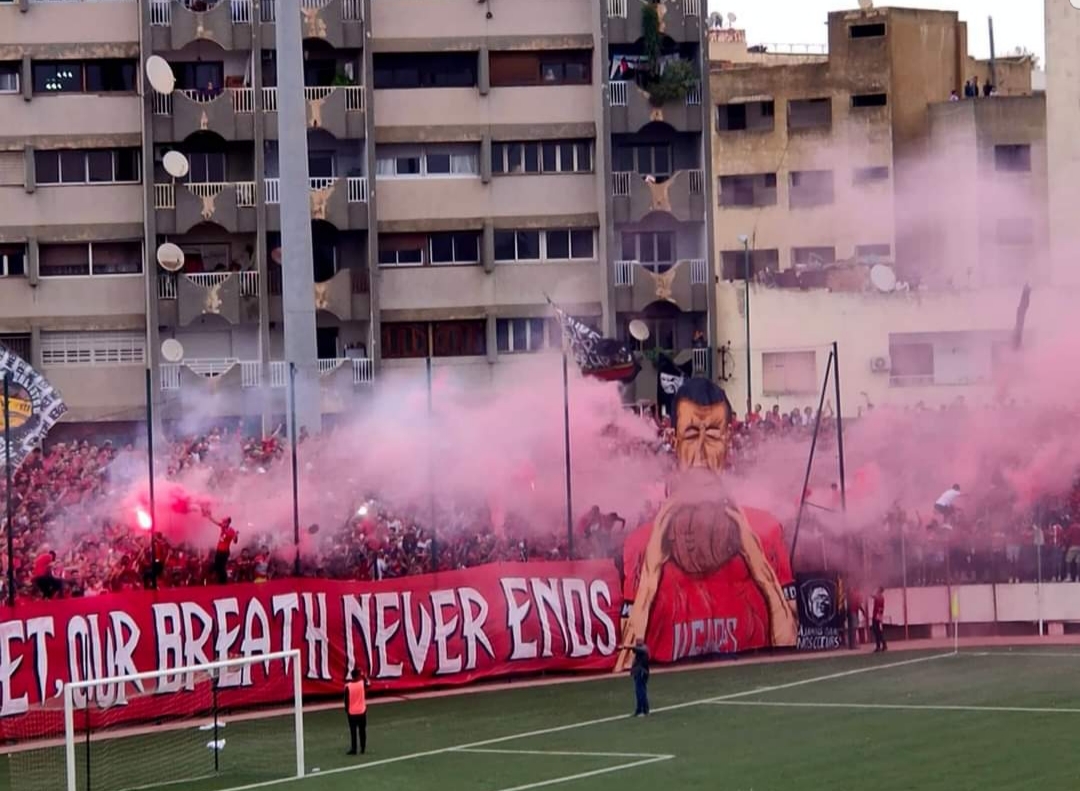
33, 406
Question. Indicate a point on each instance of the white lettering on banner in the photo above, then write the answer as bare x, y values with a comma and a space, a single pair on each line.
599, 590
357, 609
121, 651
39, 629
285, 605
169, 644
443, 631
226, 639
574, 590
472, 626
546, 594
384, 632
418, 645
254, 645
705, 636
317, 637
515, 617
195, 640
10, 705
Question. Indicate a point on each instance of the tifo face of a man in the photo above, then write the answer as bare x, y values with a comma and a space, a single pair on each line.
701, 435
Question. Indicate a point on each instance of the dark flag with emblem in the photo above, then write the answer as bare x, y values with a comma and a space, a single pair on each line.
669, 378
33, 406
595, 355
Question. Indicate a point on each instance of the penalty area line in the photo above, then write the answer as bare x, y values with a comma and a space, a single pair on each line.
573, 754
593, 773
894, 706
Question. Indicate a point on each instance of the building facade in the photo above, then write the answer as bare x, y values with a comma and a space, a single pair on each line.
831, 167
462, 173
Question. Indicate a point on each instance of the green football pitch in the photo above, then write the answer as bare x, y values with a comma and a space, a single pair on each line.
984, 720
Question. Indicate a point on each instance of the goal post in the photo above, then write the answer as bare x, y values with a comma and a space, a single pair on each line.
180, 709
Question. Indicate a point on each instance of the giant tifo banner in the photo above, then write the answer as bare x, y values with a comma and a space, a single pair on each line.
449, 628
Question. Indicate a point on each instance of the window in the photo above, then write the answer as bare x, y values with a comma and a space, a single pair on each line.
517, 245
869, 100
17, 343
870, 175
92, 76
93, 258
425, 70
402, 249
206, 167
789, 373
404, 339
872, 253
12, 260
459, 338
457, 247
810, 188
746, 116
567, 244
650, 247
199, 76
1015, 231
812, 257
547, 156
651, 159
9, 77
754, 189
809, 114
1012, 158
553, 245
321, 165
560, 67
911, 363
436, 161
88, 347
733, 263
93, 166
872, 30
525, 335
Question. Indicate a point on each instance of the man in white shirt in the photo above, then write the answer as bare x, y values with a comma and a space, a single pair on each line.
946, 502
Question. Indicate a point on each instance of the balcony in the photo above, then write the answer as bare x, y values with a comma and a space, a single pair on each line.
168, 287
684, 283
631, 109
340, 201
182, 206
200, 373
340, 23
337, 109
679, 19
176, 23
228, 113
525, 105
681, 195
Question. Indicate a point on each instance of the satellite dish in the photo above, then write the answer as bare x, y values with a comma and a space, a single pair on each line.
172, 350
175, 164
275, 255
160, 74
883, 277
170, 257
866, 5
639, 330
731, 20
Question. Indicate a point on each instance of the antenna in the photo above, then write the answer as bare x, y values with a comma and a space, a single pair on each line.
731, 20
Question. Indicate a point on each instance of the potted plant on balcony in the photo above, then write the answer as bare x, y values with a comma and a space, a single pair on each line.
667, 80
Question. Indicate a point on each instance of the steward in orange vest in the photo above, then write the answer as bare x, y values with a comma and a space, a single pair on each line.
356, 709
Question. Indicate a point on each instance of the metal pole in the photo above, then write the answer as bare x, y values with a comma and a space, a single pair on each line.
903, 568
295, 467
746, 279
993, 57
1038, 578
839, 426
9, 503
150, 473
810, 460
566, 447
431, 471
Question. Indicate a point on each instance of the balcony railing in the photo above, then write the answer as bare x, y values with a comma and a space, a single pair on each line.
161, 11
619, 92
697, 182
354, 96
167, 289
693, 96
692, 7
701, 361
616, 8
363, 370
699, 272
351, 10
165, 194
357, 188
624, 273
620, 183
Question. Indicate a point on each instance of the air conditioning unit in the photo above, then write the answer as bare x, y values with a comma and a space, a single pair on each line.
879, 365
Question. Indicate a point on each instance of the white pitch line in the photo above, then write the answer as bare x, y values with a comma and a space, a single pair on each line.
893, 706
582, 724
1071, 655
593, 773
560, 752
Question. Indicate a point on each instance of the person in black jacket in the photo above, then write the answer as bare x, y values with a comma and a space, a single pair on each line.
639, 671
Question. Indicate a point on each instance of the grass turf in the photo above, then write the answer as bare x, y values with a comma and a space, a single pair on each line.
820, 730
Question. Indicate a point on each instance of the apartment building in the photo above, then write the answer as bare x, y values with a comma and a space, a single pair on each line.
1063, 146
831, 165
462, 172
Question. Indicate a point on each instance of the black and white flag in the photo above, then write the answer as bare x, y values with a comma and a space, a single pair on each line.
33, 407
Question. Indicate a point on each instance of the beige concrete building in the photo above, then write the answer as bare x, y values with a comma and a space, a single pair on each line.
461, 172
830, 165
1063, 145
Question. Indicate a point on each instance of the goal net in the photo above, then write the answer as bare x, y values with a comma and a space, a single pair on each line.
198, 727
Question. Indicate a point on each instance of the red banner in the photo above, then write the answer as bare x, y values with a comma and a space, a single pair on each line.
449, 628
